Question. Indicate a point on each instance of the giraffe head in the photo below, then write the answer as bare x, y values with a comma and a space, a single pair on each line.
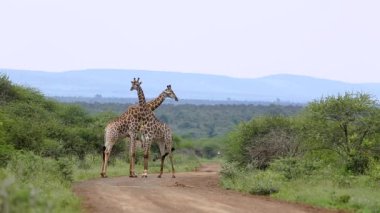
136, 83
170, 93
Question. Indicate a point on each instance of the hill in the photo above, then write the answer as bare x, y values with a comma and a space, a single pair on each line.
116, 83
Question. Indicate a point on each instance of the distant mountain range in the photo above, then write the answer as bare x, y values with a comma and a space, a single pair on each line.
116, 83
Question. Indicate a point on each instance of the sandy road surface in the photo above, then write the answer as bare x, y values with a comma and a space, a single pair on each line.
189, 192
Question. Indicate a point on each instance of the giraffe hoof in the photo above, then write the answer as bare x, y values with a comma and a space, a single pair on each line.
103, 175
173, 176
159, 176
144, 176
133, 176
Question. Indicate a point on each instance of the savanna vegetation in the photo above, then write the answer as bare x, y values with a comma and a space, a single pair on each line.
201, 121
46, 145
327, 155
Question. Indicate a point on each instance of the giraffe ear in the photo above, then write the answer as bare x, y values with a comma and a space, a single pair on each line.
140, 82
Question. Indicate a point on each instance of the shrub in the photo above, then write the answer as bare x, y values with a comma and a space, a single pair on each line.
34, 184
358, 164
6, 152
292, 168
230, 170
343, 198
209, 151
265, 183
262, 140
65, 168
374, 171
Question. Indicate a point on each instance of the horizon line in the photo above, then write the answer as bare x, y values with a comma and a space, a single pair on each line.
190, 73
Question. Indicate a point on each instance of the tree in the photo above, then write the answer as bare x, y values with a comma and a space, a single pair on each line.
346, 124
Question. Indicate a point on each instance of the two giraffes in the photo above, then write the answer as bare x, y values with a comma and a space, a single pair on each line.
139, 120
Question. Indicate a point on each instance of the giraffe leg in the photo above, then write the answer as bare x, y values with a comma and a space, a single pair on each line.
102, 174
163, 155
146, 159
171, 161
162, 166
106, 155
132, 157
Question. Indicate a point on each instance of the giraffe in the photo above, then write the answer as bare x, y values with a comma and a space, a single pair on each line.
153, 130
164, 138
128, 125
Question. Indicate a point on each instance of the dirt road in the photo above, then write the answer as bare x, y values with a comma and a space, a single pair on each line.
189, 192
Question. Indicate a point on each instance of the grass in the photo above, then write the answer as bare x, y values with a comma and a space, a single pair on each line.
90, 168
327, 189
326, 193
30, 183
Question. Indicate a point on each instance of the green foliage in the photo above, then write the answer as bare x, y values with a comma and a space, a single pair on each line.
250, 181
6, 152
324, 192
201, 121
346, 124
29, 121
65, 168
7, 91
208, 148
230, 170
34, 184
306, 182
118, 166
334, 162
265, 183
293, 168
262, 140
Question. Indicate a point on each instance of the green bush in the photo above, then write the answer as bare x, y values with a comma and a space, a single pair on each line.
30, 183
293, 168
344, 198
255, 181
263, 140
358, 164
6, 152
374, 171
230, 170
65, 168
265, 183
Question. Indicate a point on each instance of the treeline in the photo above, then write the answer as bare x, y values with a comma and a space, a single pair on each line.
332, 148
31, 122
36, 136
201, 121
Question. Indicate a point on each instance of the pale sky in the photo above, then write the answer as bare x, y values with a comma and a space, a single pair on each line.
333, 39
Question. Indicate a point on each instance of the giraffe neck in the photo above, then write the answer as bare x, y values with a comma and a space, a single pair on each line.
156, 102
140, 94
